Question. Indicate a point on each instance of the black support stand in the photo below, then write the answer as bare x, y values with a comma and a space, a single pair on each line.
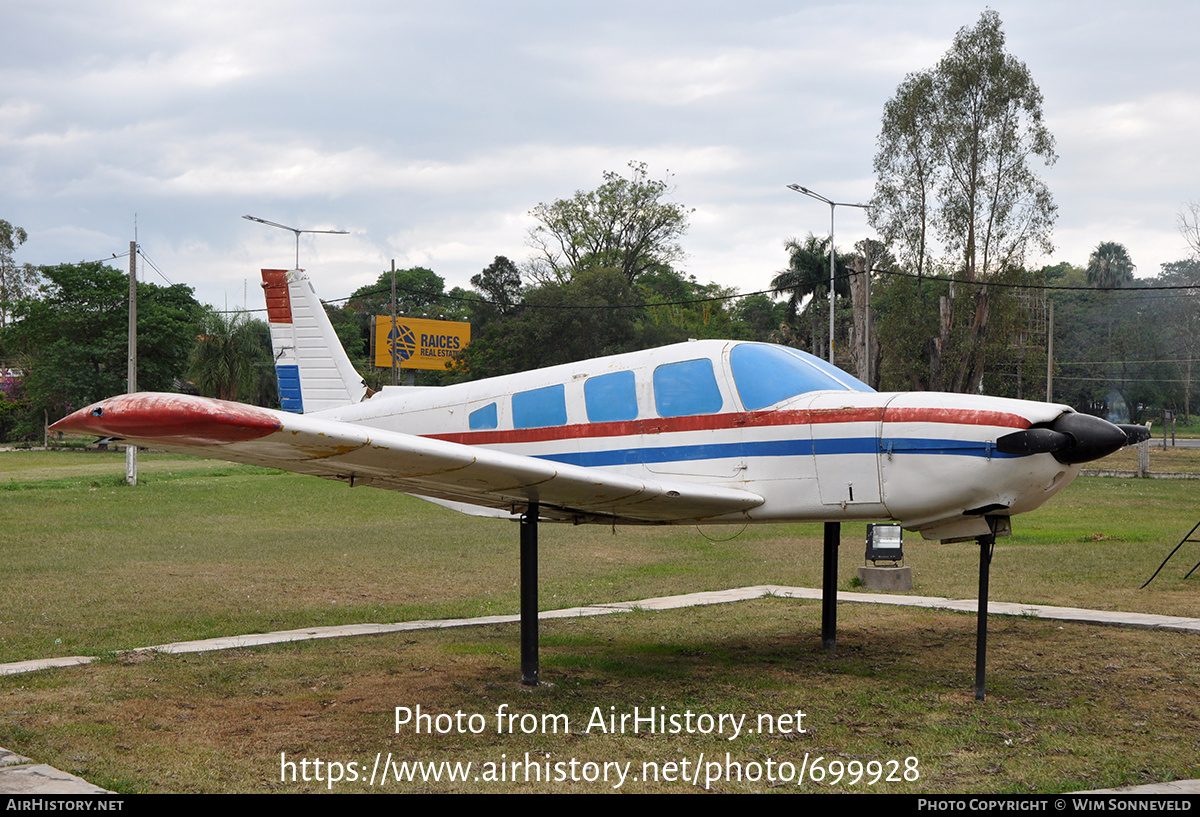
833, 534
987, 545
529, 597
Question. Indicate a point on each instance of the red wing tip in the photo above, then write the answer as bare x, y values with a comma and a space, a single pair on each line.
171, 419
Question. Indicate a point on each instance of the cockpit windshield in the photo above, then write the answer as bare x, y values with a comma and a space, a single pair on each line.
766, 374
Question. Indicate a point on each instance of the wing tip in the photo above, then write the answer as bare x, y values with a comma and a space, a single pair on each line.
171, 418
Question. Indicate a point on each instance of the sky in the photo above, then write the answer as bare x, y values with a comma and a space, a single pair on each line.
429, 131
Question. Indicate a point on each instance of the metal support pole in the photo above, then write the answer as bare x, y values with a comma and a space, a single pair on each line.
529, 599
131, 382
986, 546
832, 280
833, 535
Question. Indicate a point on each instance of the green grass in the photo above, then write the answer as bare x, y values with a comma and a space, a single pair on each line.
91, 566
1170, 460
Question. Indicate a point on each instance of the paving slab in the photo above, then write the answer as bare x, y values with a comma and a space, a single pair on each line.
1180, 787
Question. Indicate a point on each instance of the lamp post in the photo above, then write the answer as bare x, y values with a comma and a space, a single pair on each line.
297, 232
832, 250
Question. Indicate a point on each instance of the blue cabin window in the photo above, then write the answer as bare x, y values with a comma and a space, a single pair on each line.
540, 407
849, 381
483, 419
686, 388
610, 398
764, 375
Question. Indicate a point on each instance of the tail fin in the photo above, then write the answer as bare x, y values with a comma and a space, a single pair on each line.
313, 369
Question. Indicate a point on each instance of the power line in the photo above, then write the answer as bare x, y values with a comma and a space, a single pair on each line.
1111, 362
153, 266
1119, 379
775, 292
1049, 287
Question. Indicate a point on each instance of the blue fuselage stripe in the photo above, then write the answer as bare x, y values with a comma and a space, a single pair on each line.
775, 448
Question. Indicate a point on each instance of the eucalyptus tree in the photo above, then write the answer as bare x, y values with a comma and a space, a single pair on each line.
16, 280
1188, 221
955, 164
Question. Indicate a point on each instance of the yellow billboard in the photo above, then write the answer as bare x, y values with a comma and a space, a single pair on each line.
419, 343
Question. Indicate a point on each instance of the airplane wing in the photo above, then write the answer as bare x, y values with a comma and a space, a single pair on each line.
443, 471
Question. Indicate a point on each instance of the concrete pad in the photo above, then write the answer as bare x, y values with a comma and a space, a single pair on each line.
18, 667
886, 579
1174, 787
8, 758
42, 779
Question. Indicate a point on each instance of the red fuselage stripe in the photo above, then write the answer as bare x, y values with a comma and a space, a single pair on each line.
752, 419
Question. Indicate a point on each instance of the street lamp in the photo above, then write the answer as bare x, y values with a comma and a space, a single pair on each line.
832, 251
297, 232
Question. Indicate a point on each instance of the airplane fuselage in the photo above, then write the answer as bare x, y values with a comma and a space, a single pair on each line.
698, 412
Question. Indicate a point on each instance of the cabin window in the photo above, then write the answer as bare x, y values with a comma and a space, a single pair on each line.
765, 375
483, 419
610, 398
685, 388
849, 381
540, 407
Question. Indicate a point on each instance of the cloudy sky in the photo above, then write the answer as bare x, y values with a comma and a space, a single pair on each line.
429, 130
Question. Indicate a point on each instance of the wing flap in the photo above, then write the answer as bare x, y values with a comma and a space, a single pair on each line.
446, 471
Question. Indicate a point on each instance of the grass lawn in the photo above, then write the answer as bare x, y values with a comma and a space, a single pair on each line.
202, 549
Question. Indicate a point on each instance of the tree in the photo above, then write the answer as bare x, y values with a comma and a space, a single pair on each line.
560, 323
1189, 226
625, 224
1181, 320
232, 359
500, 285
420, 293
864, 336
73, 340
679, 307
905, 167
966, 131
16, 280
757, 317
1109, 266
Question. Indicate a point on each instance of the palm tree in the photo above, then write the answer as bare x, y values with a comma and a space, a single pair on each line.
808, 274
1110, 266
232, 358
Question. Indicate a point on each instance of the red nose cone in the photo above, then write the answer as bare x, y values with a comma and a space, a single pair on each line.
171, 418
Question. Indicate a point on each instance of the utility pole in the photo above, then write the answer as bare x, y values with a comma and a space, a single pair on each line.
393, 335
131, 450
1050, 352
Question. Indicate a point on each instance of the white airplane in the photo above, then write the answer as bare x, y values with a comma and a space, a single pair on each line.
709, 431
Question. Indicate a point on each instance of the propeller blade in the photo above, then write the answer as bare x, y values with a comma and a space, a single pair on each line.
1134, 433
